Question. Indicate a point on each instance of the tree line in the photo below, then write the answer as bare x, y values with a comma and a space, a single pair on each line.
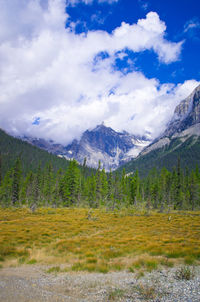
73, 186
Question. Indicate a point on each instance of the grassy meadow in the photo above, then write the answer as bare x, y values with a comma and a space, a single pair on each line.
98, 241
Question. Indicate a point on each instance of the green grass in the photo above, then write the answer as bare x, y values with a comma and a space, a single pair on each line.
54, 269
113, 241
115, 294
32, 261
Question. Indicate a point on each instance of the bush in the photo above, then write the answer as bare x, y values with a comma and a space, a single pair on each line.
115, 294
185, 273
32, 261
147, 292
54, 269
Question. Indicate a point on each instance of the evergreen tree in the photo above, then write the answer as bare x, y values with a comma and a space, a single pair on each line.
6, 189
110, 187
16, 181
48, 183
0, 170
92, 191
135, 188
98, 183
177, 193
72, 183
104, 186
124, 188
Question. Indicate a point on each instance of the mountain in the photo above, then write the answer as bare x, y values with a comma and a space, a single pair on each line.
102, 143
110, 147
180, 139
31, 156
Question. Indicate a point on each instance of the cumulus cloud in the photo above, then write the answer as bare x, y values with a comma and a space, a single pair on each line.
66, 81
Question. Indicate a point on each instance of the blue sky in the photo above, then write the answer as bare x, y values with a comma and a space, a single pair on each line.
66, 66
182, 18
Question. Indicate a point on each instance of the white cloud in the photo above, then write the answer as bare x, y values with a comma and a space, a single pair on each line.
108, 1
48, 72
143, 4
191, 25
74, 2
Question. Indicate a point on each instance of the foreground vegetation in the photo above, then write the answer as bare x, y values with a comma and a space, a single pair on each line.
98, 240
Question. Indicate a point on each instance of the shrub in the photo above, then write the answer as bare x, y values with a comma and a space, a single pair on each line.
147, 292
184, 273
151, 265
92, 260
32, 261
21, 260
115, 294
54, 269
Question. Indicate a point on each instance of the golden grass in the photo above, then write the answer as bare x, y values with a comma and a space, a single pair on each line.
112, 241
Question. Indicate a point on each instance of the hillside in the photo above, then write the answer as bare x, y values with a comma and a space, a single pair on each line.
31, 156
167, 156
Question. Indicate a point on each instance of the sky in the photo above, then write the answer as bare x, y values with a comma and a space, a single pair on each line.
69, 65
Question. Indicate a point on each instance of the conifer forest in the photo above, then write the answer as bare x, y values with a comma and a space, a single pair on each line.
78, 186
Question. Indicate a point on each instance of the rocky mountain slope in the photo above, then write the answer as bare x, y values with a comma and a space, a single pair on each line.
110, 147
180, 139
102, 143
185, 122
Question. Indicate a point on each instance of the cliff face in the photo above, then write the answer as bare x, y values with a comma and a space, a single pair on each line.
186, 114
184, 124
99, 144
103, 143
180, 139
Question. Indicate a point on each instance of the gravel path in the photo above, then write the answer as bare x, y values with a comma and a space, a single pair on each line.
31, 283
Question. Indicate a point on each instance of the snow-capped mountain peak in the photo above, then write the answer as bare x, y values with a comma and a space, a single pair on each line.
102, 143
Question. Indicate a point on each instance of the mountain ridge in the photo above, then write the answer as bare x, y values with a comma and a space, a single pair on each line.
102, 143
181, 139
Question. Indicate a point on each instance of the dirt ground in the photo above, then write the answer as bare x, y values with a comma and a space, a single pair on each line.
32, 283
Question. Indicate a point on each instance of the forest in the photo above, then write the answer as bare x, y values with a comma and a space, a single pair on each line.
77, 186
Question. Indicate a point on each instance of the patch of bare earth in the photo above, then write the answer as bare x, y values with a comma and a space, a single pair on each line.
32, 283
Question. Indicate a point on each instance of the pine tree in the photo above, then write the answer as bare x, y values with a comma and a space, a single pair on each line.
104, 186
194, 190
16, 180
72, 183
117, 190
110, 187
177, 197
135, 188
0, 170
98, 182
92, 191
124, 185
6, 189
48, 182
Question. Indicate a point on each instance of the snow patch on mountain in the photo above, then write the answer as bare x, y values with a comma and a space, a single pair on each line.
99, 144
